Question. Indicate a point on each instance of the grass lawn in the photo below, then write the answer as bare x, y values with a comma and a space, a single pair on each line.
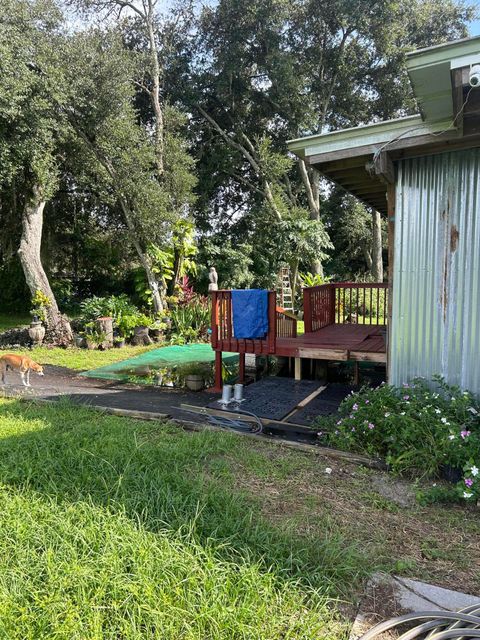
82, 359
8, 321
115, 528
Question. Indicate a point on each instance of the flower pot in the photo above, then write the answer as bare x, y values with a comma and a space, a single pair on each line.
156, 334
36, 332
194, 382
79, 341
451, 474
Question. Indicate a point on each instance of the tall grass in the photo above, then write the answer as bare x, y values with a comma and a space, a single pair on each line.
112, 528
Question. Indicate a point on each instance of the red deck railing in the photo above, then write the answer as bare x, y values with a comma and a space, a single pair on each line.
223, 337
345, 303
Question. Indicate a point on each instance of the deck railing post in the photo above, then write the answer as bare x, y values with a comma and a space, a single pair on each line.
272, 321
332, 294
307, 310
214, 319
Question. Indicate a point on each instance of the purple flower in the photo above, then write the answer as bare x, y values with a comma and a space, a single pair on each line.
353, 429
367, 401
468, 482
351, 416
465, 433
355, 407
371, 425
339, 422
406, 397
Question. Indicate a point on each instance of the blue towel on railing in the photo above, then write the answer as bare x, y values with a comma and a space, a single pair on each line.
250, 313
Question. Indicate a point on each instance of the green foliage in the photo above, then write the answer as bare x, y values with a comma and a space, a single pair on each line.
114, 306
313, 279
417, 429
233, 262
190, 320
93, 334
14, 293
126, 316
40, 305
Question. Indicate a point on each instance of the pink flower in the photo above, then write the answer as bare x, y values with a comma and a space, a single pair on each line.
367, 401
355, 407
465, 433
468, 482
371, 425
406, 397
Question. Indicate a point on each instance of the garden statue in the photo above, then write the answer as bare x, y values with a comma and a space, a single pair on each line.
213, 279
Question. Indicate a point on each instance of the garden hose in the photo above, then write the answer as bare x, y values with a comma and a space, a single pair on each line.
434, 625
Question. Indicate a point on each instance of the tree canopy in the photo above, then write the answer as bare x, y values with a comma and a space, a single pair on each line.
120, 122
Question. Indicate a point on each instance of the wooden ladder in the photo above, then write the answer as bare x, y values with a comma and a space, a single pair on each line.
284, 289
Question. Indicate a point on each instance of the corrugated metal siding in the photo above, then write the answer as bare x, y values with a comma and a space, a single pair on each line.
436, 291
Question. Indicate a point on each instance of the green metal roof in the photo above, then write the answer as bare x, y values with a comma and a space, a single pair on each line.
429, 70
370, 134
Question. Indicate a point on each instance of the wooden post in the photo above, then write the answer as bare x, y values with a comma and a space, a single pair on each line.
218, 372
356, 373
298, 368
272, 321
214, 319
307, 311
241, 368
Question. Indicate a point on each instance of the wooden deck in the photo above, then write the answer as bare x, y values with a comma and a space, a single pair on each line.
343, 321
337, 342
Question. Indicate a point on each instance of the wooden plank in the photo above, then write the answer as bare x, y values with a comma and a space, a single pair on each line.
323, 354
314, 449
368, 356
458, 99
308, 399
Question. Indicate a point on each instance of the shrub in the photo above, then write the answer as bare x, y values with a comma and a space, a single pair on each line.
114, 306
189, 315
417, 429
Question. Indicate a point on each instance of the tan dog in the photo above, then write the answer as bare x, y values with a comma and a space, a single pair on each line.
23, 364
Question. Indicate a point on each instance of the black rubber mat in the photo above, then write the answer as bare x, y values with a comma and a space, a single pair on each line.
324, 404
274, 398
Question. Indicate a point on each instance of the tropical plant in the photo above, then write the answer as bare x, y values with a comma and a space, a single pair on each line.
190, 320
312, 279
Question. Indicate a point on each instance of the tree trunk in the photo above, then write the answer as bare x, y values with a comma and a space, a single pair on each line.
155, 92
311, 182
377, 262
58, 327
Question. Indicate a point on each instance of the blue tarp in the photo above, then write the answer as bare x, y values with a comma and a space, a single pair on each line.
250, 313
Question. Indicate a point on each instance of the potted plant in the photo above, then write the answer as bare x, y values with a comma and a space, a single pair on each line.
94, 338
194, 376
157, 329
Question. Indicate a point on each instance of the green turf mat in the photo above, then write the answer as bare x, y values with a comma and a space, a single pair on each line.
162, 358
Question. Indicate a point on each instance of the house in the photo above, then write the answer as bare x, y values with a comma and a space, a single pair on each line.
422, 172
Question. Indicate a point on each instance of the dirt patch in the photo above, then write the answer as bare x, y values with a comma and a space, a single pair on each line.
376, 511
379, 604
398, 491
